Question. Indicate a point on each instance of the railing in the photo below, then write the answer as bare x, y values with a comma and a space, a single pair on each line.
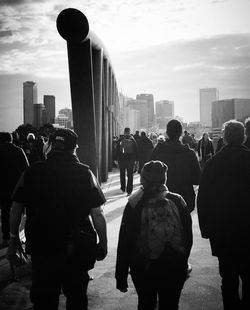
94, 92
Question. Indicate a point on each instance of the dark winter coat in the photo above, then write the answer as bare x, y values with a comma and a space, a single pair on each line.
128, 256
223, 201
12, 164
183, 169
126, 157
205, 149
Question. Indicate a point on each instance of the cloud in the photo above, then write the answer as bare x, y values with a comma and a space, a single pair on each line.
18, 2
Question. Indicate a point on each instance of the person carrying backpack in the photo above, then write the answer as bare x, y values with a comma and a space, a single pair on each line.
155, 241
126, 152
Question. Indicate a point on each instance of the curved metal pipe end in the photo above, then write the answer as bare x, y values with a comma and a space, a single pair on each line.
72, 25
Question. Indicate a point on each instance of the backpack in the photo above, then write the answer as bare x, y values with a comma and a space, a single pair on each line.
161, 229
127, 146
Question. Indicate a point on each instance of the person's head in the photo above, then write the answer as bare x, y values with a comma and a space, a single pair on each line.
5, 137
233, 132
143, 134
247, 127
154, 173
126, 131
205, 136
31, 137
174, 129
185, 133
137, 133
64, 140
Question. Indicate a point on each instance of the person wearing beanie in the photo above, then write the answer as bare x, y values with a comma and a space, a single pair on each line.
158, 270
60, 195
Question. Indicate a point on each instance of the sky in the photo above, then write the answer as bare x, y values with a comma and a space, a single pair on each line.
168, 48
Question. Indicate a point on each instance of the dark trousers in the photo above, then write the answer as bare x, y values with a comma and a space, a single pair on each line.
166, 288
50, 275
5, 219
232, 269
126, 166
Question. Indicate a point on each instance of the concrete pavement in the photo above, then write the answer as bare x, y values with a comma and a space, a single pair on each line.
201, 291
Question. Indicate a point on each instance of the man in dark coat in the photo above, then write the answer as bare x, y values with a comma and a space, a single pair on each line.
13, 162
59, 196
183, 166
145, 147
127, 156
223, 212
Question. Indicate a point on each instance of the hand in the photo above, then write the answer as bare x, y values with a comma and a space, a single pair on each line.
101, 252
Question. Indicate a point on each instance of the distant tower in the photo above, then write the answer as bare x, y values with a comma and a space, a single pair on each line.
149, 101
50, 107
29, 99
207, 96
164, 112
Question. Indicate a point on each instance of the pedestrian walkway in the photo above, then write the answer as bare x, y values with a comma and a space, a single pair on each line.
201, 291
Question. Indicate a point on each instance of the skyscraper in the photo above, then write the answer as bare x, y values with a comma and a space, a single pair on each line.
164, 112
207, 96
50, 106
149, 100
29, 99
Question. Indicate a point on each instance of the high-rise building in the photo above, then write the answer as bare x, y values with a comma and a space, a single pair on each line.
164, 112
148, 100
39, 115
207, 96
50, 106
29, 99
224, 110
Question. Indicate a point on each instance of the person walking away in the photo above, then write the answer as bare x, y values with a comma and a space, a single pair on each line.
205, 148
155, 241
187, 139
58, 196
247, 133
127, 156
145, 147
12, 164
183, 167
137, 136
223, 213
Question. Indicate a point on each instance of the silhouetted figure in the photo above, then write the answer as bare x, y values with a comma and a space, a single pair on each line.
223, 212
33, 149
155, 254
127, 156
145, 147
220, 144
187, 139
247, 133
137, 136
183, 167
12, 164
58, 195
205, 148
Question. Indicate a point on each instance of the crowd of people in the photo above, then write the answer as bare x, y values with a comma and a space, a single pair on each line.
65, 227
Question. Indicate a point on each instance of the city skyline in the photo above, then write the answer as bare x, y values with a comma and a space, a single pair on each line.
167, 48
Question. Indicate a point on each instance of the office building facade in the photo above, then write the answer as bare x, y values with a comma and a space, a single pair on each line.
207, 96
29, 99
49, 102
164, 113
